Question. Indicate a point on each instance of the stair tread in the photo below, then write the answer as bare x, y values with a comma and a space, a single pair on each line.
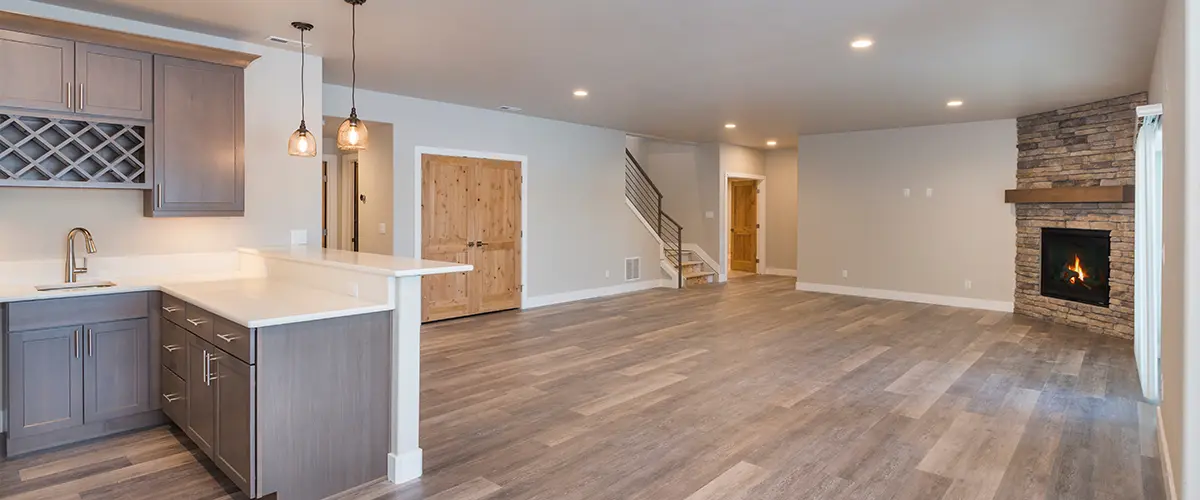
700, 274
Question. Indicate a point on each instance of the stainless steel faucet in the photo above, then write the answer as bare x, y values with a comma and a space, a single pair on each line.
73, 271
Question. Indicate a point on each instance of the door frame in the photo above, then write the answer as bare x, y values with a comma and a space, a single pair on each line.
723, 238
420, 151
331, 169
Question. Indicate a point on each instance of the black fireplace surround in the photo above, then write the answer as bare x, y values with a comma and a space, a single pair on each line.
1075, 265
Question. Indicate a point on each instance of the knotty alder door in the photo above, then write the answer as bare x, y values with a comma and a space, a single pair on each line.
743, 225
471, 213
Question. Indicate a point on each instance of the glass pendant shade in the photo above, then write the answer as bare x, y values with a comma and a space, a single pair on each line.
352, 134
302, 142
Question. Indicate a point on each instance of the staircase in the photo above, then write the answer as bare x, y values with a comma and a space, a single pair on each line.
644, 198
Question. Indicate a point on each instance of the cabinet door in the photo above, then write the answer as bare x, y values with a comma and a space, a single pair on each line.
37, 72
116, 370
114, 82
198, 139
201, 424
234, 447
45, 381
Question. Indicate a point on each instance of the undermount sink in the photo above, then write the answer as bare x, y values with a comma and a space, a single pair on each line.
75, 286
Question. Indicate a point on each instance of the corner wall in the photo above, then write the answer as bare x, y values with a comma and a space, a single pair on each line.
781, 211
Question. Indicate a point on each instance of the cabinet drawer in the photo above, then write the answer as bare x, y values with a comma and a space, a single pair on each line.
173, 392
234, 339
174, 347
174, 309
199, 322
74, 311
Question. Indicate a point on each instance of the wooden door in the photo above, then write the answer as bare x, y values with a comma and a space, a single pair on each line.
496, 217
36, 72
45, 381
201, 405
447, 205
233, 449
198, 139
116, 370
114, 82
743, 225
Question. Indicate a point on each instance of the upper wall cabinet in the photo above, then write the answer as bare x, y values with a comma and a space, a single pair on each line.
51, 74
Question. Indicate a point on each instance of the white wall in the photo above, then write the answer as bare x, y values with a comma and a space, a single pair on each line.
735, 161
578, 223
781, 210
282, 192
853, 215
1173, 77
376, 167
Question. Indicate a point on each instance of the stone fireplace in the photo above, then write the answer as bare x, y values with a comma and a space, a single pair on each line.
1069, 155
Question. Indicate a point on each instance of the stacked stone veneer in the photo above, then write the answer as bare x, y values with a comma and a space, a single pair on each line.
1088, 145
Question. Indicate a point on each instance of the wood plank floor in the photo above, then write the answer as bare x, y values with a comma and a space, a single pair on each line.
749, 390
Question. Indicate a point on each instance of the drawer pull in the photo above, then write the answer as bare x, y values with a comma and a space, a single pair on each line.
197, 322
171, 348
228, 337
171, 309
171, 398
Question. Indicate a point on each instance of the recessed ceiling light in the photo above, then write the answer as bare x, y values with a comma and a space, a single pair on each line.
772, 143
730, 125
862, 43
954, 104
581, 93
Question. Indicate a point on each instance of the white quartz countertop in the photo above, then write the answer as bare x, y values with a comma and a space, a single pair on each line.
255, 303
385, 265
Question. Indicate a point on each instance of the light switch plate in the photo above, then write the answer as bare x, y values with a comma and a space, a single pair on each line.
382, 228
299, 236
907, 192
929, 192
709, 214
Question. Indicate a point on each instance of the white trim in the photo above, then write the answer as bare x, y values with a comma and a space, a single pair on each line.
405, 467
649, 228
761, 249
924, 298
775, 271
562, 298
1150, 110
708, 260
522, 159
1164, 458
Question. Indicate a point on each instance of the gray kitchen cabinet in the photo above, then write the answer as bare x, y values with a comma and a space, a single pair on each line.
233, 451
114, 82
116, 370
43, 72
199, 140
200, 414
45, 381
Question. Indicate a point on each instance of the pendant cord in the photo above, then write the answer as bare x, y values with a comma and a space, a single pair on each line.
302, 58
353, 55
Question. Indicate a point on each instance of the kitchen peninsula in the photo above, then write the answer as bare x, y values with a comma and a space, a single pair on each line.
295, 369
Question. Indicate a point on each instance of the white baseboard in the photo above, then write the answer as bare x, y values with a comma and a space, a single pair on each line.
924, 298
776, 271
562, 298
1164, 458
404, 467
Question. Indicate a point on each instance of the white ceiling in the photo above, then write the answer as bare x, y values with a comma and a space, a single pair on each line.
680, 69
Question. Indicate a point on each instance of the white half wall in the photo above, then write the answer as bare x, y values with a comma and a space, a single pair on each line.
853, 214
578, 227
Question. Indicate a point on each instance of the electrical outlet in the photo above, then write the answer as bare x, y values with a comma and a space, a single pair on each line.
967, 284
907, 192
354, 289
607, 273
929, 192
382, 228
299, 236
845, 273
709, 215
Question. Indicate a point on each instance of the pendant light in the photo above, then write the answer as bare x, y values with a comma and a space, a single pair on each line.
302, 142
352, 134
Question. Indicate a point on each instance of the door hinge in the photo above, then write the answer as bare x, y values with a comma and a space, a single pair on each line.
324, 232
757, 226
324, 178
521, 288
756, 261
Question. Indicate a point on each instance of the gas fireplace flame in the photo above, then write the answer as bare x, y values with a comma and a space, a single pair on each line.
1078, 270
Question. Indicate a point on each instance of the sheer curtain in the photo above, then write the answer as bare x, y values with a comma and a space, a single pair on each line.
1147, 290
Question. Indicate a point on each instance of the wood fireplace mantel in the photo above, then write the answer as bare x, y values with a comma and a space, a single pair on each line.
1095, 194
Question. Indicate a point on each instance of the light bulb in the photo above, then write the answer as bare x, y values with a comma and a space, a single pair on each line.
352, 135
303, 144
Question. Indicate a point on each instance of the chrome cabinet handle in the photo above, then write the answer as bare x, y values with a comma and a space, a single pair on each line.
158, 196
171, 348
197, 322
81, 97
171, 309
228, 337
206, 379
171, 398
91, 352
211, 376
75, 344
70, 103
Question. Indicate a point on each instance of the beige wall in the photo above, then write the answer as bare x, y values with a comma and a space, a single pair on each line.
1168, 85
578, 224
853, 215
282, 192
375, 181
781, 210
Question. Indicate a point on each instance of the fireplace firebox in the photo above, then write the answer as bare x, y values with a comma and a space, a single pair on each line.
1075, 265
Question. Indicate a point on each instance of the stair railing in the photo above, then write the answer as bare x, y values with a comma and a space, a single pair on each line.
647, 200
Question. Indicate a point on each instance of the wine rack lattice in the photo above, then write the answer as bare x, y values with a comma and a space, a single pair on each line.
37, 149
